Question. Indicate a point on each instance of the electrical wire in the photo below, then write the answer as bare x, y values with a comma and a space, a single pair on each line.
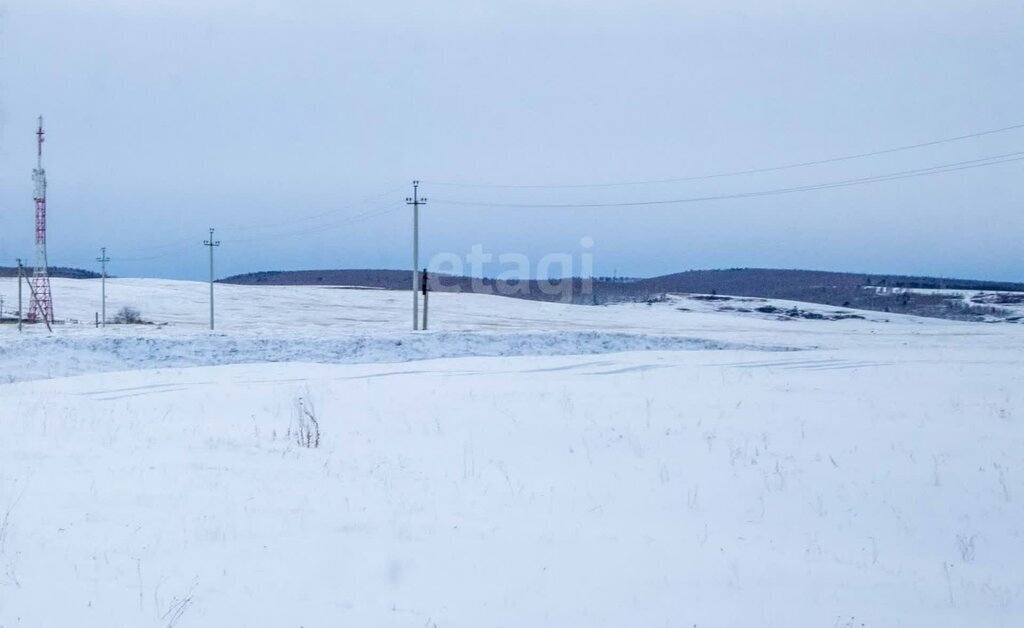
331, 212
373, 213
906, 174
734, 173
175, 247
367, 215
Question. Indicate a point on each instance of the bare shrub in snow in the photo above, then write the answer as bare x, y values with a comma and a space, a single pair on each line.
177, 608
307, 428
965, 544
4, 525
128, 315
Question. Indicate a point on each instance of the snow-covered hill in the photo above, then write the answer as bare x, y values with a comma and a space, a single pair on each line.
333, 325
695, 467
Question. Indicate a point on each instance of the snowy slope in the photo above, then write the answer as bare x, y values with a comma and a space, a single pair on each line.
871, 477
280, 323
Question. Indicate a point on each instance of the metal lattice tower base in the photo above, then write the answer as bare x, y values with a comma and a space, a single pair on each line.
40, 306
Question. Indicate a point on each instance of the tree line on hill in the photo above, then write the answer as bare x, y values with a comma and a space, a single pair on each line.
853, 290
60, 272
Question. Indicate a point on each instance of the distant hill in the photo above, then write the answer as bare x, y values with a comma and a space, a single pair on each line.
55, 271
854, 290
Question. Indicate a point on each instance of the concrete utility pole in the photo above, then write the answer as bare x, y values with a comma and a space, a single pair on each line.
211, 243
103, 259
20, 273
415, 201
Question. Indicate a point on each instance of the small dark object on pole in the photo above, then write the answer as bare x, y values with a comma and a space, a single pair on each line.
424, 299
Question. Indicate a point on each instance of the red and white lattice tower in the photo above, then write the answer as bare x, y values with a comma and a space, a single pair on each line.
40, 308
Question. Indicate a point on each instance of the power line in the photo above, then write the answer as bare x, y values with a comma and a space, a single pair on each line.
176, 246
290, 221
906, 174
734, 173
168, 253
373, 213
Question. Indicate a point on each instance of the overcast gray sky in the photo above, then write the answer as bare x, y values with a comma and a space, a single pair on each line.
294, 128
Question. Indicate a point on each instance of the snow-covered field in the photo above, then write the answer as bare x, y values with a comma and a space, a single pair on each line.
521, 464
